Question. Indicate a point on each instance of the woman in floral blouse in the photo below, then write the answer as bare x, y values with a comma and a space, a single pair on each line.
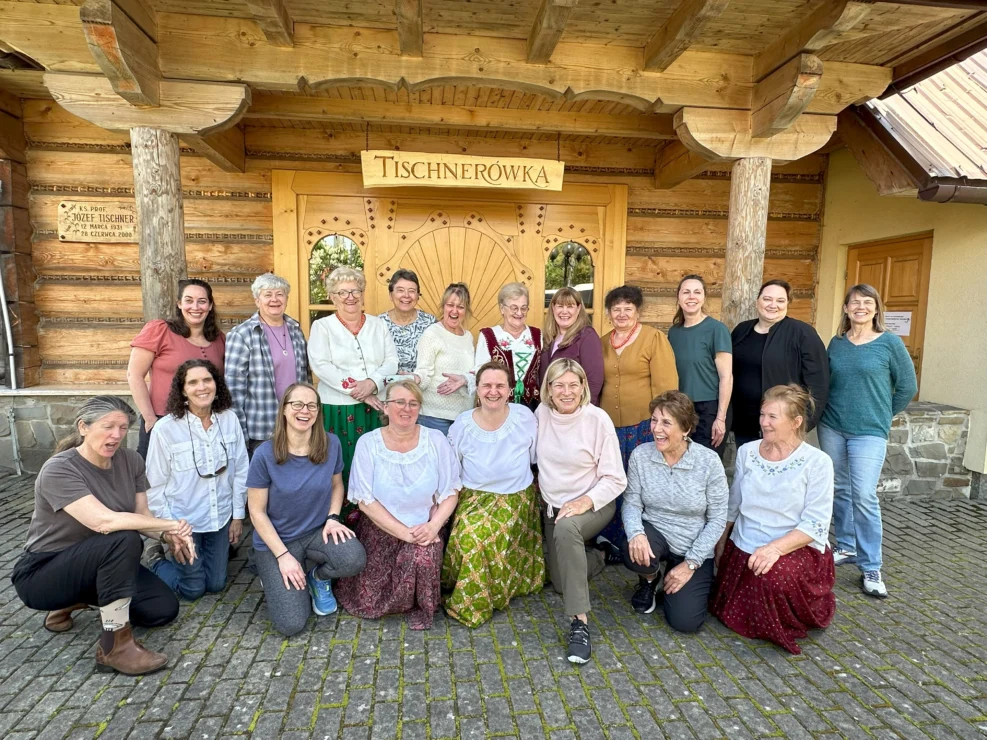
515, 345
406, 321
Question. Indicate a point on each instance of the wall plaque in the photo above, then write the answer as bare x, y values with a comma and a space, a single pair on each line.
419, 169
97, 221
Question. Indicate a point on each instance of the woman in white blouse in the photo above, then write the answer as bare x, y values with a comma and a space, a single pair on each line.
197, 470
495, 548
351, 354
775, 571
406, 482
445, 362
515, 345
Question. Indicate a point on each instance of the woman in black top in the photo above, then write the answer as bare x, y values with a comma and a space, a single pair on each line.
774, 349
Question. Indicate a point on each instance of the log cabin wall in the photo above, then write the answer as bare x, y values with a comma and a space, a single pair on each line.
88, 294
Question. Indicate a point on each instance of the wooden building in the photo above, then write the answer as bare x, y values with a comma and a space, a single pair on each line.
694, 135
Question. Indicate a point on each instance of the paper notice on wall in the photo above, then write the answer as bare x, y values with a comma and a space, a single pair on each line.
899, 322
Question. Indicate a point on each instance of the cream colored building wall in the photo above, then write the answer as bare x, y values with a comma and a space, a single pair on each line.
954, 366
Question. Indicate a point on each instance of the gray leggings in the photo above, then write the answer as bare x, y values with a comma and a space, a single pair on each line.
289, 609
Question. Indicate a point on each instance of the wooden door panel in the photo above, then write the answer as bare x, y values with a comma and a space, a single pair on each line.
905, 279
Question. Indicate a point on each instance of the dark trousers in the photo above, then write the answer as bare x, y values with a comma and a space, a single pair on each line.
703, 433
143, 440
97, 571
685, 610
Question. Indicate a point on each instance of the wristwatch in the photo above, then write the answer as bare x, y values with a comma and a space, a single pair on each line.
693, 565
334, 518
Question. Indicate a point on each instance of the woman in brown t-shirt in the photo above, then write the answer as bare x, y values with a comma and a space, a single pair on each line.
84, 547
161, 346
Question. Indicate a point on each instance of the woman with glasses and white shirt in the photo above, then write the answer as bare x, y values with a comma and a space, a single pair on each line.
351, 355
197, 470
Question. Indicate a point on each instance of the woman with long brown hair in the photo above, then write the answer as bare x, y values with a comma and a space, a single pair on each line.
295, 496
569, 334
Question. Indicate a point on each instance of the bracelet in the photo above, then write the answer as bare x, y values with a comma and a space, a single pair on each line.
334, 518
281, 555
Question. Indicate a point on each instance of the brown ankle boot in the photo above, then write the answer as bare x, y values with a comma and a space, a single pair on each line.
60, 620
128, 656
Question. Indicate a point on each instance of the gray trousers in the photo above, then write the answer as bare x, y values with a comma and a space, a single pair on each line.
570, 564
289, 609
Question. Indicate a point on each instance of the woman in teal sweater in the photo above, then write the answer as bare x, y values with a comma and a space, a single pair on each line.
872, 379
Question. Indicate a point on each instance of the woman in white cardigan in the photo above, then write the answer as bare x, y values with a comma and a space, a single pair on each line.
351, 354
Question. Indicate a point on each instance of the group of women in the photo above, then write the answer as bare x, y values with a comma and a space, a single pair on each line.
424, 463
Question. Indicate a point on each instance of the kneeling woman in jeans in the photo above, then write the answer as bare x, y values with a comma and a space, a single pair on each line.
295, 495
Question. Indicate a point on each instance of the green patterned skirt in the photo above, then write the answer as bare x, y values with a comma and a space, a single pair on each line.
494, 553
348, 423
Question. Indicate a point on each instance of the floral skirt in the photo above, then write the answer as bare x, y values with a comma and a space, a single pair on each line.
629, 438
796, 595
494, 553
348, 423
400, 578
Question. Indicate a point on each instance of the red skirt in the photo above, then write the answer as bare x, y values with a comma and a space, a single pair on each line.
400, 578
796, 595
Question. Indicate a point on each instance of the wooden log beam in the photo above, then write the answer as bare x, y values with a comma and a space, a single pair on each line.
845, 84
822, 27
721, 134
546, 32
675, 36
143, 14
279, 107
198, 108
783, 96
747, 225
889, 175
274, 20
411, 37
225, 149
127, 55
161, 217
674, 164
13, 145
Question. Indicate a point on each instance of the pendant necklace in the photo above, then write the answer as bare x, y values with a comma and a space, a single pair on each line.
284, 331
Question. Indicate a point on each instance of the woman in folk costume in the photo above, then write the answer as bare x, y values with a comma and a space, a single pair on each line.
515, 345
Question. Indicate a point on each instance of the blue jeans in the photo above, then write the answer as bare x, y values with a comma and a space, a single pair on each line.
857, 463
434, 422
206, 573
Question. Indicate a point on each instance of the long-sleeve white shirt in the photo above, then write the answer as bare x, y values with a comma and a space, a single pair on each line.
337, 356
440, 351
180, 449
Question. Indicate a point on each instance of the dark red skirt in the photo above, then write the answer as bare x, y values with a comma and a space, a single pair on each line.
400, 578
796, 595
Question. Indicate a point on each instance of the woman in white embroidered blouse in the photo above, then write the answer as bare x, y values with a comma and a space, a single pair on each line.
775, 574
405, 479
495, 548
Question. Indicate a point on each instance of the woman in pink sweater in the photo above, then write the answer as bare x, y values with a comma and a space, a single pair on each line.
580, 475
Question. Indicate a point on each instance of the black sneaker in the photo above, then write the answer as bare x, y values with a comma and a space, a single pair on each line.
645, 598
579, 646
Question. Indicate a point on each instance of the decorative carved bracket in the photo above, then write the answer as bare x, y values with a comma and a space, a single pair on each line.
127, 56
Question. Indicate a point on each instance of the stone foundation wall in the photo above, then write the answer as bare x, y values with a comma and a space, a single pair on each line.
925, 453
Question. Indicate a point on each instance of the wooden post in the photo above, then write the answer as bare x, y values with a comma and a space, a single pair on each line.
747, 225
161, 216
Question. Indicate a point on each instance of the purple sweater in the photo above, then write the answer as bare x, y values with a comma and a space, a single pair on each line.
588, 352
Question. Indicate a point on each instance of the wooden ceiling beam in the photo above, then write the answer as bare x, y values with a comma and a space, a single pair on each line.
411, 36
783, 96
126, 55
225, 149
143, 14
274, 21
675, 163
196, 108
673, 38
546, 32
821, 28
882, 168
726, 134
638, 126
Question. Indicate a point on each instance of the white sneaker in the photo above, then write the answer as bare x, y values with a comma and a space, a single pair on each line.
873, 585
841, 556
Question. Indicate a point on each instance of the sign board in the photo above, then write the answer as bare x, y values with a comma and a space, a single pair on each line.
97, 221
419, 169
898, 322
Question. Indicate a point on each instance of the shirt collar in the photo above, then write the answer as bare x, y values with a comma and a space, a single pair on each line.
688, 461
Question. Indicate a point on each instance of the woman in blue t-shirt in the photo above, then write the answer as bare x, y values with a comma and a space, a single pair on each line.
295, 495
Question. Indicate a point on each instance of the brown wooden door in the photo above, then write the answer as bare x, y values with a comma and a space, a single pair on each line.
899, 269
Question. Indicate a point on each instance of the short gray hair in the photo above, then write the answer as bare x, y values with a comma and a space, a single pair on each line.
345, 275
512, 290
269, 281
91, 411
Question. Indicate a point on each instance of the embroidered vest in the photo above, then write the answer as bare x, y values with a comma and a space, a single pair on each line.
529, 392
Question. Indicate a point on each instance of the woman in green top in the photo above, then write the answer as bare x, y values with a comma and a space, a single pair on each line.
704, 360
872, 378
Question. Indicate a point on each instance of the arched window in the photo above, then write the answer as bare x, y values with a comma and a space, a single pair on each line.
570, 265
329, 252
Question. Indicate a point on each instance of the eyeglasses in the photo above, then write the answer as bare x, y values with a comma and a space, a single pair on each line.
404, 404
222, 443
299, 405
348, 293
516, 310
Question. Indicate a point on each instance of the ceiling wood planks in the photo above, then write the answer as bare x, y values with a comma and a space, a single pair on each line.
673, 38
547, 29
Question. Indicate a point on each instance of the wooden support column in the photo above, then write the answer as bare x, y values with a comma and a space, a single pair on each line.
161, 216
747, 226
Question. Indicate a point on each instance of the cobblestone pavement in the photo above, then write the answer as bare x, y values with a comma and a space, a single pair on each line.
914, 665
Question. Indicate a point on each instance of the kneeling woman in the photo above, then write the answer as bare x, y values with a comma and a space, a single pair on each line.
580, 475
775, 573
495, 549
197, 467
295, 495
406, 481
84, 546
675, 509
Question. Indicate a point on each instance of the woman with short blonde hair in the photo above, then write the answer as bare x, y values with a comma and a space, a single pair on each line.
514, 344
570, 333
